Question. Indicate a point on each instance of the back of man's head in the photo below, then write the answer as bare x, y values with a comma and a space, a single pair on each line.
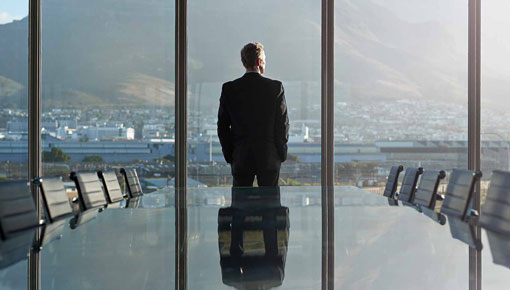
251, 53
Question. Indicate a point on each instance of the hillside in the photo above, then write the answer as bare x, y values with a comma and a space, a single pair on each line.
122, 52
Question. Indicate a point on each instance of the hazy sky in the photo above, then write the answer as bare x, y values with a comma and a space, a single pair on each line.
444, 11
13, 10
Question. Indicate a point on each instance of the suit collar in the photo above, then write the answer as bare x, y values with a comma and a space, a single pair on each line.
252, 74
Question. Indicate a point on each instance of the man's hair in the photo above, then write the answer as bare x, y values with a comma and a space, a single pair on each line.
250, 53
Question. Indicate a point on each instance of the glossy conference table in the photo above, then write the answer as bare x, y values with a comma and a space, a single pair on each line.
376, 246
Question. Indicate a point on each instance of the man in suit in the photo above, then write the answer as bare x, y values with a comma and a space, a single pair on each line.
253, 126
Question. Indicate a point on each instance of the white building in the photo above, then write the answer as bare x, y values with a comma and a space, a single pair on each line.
97, 133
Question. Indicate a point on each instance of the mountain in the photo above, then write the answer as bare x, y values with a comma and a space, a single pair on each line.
122, 51
11, 93
92, 51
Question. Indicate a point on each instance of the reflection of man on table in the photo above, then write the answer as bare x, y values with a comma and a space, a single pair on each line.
253, 236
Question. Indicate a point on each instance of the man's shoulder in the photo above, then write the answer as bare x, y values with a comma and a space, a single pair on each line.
227, 84
276, 85
269, 80
242, 80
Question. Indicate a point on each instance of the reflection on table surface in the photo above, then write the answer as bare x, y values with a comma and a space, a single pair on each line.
253, 235
252, 239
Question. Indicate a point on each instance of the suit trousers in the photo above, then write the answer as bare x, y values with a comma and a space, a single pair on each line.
266, 178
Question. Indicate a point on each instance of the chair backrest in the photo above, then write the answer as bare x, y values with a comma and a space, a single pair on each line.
459, 193
426, 193
55, 198
133, 185
17, 208
392, 183
89, 190
409, 182
495, 215
111, 186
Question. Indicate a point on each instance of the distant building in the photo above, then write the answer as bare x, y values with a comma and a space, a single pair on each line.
99, 133
111, 151
153, 131
18, 125
428, 154
69, 123
50, 125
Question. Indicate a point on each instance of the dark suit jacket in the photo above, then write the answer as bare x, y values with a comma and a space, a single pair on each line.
253, 126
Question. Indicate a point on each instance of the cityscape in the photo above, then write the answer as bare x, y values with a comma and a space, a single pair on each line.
369, 139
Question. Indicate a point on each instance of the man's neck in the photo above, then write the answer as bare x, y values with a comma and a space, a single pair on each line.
252, 71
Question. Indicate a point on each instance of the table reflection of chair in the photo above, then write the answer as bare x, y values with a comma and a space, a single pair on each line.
426, 195
18, 221
253, 238
457, 206
495, 217
83, 218
391, 185
16, 248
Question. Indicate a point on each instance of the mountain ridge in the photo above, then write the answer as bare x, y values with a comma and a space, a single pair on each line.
121, 53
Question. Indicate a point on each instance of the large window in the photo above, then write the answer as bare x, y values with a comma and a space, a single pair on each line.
13, 90
400, 99
108, 103
108, 88
400, 88
290, 32
14, 111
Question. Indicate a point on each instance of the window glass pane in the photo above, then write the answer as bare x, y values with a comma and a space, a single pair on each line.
401, 99
108, 88
248, 255
108, 103
14, 90
495, 132
290, 33
13, 125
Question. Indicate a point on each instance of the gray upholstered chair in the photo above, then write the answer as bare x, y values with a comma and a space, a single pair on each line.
426, 194
111, 186
134, 188
90, 191
17, 208
390, 191
18, 221
457, 206
56, 201
57, 206
408, 187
